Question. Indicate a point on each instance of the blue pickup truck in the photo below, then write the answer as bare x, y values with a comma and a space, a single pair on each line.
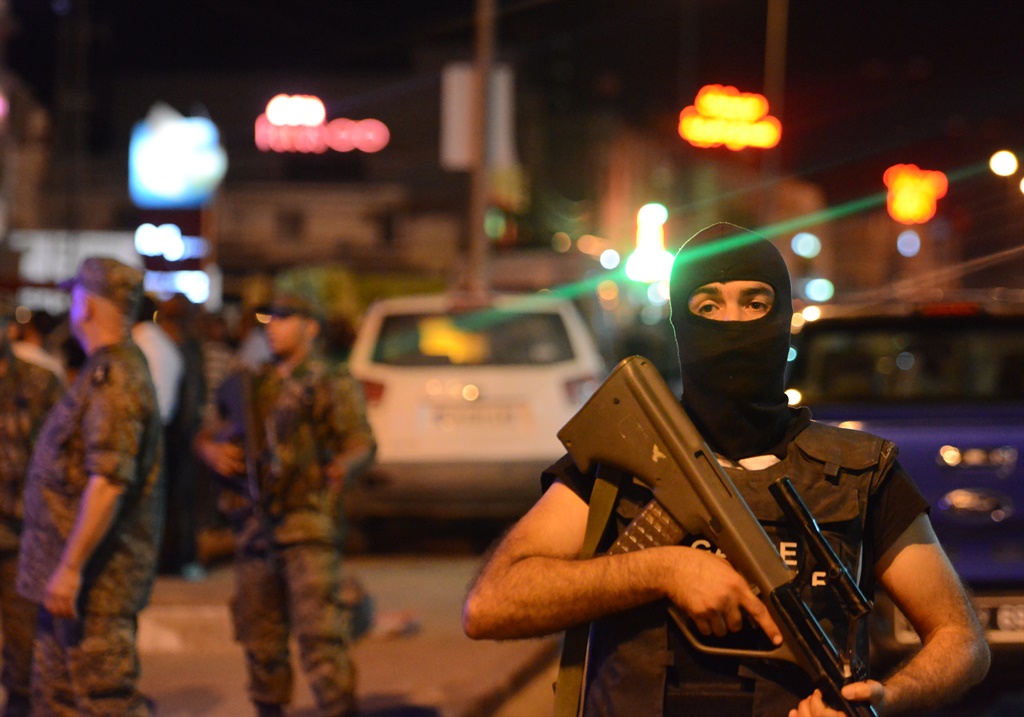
945, 381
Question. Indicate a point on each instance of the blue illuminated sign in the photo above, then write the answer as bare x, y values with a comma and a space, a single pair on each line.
174, 162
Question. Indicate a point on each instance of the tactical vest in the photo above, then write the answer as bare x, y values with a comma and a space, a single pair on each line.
835, 471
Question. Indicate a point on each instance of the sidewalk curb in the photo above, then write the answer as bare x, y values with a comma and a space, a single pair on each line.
488, 703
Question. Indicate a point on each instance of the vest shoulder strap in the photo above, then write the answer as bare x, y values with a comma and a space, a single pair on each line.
568, 688
844, 447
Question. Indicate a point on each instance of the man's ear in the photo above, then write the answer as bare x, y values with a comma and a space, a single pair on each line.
312, 329
89, 307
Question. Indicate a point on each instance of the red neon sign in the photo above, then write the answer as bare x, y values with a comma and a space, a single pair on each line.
722, 115
913, 192
297, 123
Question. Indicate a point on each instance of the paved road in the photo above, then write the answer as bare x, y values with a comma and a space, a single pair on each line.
191, 666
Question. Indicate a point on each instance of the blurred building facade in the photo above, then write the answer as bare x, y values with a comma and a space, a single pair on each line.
582, 172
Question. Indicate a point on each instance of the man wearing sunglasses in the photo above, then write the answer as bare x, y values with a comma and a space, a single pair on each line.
290, 436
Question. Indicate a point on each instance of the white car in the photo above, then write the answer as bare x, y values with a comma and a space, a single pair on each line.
465, 398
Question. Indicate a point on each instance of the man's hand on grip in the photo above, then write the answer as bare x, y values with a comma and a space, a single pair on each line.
714, 595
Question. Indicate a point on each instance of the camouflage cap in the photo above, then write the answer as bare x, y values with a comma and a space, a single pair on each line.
292, 304
111, 279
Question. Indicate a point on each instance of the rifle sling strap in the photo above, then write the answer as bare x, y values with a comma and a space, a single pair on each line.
569, 686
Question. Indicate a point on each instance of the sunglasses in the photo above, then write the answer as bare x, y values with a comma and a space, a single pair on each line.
280, 312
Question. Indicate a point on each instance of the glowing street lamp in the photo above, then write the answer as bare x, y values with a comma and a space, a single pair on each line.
1003, 163
650, 262
913, 192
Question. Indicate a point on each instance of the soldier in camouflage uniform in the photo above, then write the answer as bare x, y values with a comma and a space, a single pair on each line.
27, 392
289, 437
93, 510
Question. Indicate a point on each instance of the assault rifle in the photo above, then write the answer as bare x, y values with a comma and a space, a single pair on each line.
253, 444
635, 424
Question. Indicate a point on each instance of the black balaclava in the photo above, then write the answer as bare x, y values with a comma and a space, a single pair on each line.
733, 371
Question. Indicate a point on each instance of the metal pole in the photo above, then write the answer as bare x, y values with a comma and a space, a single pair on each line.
477, 264
774, 90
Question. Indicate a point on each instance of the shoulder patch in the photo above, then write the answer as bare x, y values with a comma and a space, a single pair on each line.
100, 375
845, 447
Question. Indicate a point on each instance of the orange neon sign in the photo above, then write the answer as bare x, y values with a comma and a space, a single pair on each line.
913, 192
298, 123
722, 115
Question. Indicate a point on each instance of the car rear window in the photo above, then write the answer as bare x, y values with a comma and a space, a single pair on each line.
480, 338
976, 359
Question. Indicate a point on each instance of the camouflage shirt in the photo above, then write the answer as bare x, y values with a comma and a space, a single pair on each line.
27, 392
303, 422
107, 424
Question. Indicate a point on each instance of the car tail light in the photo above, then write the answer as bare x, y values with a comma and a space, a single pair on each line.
373, 391
580, 389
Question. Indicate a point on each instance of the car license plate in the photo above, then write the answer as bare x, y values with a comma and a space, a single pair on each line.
451, 417
1001, 617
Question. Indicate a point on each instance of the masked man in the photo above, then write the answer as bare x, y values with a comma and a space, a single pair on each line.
731, 312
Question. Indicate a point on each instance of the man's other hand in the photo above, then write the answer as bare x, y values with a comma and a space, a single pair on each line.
869, 691
61, 599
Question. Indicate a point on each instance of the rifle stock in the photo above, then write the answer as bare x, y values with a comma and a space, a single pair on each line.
635, 423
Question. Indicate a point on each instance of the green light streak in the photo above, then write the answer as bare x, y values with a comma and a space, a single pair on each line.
771, 231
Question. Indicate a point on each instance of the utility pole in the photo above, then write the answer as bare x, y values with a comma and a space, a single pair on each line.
477, 277
72, 105
774, 90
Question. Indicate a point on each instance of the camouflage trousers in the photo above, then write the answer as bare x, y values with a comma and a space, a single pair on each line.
294, 590
87, 666
18, 617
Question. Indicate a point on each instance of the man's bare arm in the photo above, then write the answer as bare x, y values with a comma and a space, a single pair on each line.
954, 656
95, 516
534, 584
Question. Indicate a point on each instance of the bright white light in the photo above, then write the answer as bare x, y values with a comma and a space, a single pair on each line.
819, 290
793, 396
806, 245
296, 110
1003, 163
908, 243
164, 240
811, 313
652, 213
193, 284
649, 266
610, 258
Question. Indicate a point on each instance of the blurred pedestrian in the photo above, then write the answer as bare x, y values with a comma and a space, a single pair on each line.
30, 344
178, 317
299, 426
213, 534
219, 357
27, 392
166, 364
253, 348
93, 508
